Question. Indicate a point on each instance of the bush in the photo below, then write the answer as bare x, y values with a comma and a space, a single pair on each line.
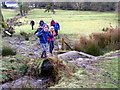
99, 39
8, 51
88, 45
93, 48
97, 43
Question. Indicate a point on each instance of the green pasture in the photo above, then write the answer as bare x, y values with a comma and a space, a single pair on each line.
72, 22
9, 13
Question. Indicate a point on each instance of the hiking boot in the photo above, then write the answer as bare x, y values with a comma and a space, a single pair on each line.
42, 55
45, 55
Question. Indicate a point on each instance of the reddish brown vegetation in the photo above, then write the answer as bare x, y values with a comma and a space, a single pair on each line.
99, 43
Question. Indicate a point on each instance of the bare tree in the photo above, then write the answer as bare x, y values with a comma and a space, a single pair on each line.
24, 8
50, 7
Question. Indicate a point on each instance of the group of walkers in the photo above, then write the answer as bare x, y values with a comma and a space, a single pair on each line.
47, 35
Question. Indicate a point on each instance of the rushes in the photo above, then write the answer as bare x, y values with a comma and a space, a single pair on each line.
99, 43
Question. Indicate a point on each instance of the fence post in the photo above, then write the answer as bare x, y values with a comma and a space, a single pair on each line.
62, 44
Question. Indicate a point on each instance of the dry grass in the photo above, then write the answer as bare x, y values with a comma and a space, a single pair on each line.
98, 43
59, 69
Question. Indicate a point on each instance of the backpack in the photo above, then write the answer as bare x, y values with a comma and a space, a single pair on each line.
57, 26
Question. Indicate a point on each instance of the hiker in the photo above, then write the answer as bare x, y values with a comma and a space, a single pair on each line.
52, 22
51, 39
41, 23
32, 24
56, 27
38, 30
43, 35
45, 25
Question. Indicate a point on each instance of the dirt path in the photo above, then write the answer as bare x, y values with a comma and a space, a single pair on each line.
29, 48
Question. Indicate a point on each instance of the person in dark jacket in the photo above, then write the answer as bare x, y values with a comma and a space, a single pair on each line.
38, 30
32, 24
43, 35
41, 23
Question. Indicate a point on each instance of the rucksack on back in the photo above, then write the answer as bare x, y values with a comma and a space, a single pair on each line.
57, 26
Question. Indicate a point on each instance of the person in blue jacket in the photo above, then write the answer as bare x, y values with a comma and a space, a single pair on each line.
56, 27
43, 35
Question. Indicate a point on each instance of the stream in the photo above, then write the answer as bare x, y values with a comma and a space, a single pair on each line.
44, 80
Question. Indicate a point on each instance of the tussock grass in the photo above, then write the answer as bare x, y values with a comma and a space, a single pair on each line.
99, 43
6, 50
25, 35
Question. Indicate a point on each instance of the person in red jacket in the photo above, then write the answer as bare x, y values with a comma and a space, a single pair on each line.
52, 22
51, 39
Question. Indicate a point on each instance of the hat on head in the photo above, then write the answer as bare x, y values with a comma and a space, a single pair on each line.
51, 27
46, 26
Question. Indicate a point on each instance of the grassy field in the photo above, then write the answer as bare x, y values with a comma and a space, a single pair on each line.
72, 22
9, 13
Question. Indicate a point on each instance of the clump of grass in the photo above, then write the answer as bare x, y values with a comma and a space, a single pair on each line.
87, 45
8, 51
25, 35
59, 69
99, 38
93, 48
99, 43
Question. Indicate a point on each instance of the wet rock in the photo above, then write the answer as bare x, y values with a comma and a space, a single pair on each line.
72, 55
25, 82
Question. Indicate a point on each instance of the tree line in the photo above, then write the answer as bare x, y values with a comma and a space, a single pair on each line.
83, 6
24, 7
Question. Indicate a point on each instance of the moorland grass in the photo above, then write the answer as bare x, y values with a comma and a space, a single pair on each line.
9, 13
72, 22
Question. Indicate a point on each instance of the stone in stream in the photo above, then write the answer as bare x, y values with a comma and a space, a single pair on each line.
23, 82
72, 55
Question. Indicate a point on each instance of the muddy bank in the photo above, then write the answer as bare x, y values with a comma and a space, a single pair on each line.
41, 75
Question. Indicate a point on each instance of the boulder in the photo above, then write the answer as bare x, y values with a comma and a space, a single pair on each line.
72, 55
